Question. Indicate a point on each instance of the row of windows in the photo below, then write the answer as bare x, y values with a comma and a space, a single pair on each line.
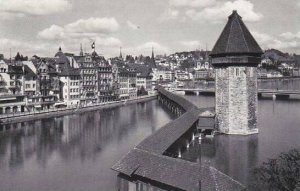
89, 77
89, 89
123, 91
74, 83
74, 90
89, 71
105, 75
29, 85
88, 83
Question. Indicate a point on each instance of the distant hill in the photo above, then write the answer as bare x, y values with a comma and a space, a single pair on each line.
278, 56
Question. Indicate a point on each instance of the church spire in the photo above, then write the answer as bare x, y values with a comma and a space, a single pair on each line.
81, 51
120, 53
153, 59
152, 56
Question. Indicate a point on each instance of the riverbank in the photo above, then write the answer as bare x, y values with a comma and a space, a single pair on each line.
28, 116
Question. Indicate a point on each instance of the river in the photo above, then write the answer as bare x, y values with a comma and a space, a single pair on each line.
76, 152
237, 156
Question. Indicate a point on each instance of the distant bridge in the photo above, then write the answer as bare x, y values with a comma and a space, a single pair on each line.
276, 92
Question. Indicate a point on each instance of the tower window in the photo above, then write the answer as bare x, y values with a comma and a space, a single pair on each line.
237, 72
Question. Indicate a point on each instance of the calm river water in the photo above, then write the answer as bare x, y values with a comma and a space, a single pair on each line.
76, 152
236, 156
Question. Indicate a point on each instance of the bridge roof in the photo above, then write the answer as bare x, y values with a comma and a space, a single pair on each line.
174, 172
146, 160
163, 138
184, 103
236, 39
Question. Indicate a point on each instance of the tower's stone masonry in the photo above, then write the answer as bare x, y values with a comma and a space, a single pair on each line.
236, 103
235, 57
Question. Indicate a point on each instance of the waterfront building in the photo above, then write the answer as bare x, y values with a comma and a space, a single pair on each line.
127, 82
235, 57
89, 78
4, 78
47, 85
15, 72
69, 78
182, 75
30, 81
161, 73
106, 90
70, 85
143, 77
12, 99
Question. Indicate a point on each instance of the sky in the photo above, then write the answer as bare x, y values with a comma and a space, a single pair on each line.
40, 27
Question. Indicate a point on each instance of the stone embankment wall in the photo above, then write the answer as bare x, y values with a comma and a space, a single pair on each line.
28, 116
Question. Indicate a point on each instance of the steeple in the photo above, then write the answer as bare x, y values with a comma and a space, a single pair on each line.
59, 49
153, 64
121, 53
81, 51
152, 55
236, 39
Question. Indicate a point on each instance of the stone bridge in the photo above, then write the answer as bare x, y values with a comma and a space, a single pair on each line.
260, 92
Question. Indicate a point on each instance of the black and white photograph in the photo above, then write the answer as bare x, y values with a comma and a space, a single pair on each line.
149, 95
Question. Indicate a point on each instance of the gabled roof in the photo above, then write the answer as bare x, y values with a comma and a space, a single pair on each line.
236, 39
28, 73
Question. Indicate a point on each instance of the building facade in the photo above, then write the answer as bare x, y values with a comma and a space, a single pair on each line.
89, 77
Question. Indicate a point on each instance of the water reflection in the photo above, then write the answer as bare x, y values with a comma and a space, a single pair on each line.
74, 152
237, 156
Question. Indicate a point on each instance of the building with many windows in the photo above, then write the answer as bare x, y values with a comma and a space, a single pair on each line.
70, 79
89, 78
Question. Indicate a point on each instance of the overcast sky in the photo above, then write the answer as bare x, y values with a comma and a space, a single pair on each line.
41, 26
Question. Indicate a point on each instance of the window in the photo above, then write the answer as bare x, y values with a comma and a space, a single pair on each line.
237, 72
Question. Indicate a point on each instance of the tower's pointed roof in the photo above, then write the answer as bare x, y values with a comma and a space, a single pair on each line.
236, 39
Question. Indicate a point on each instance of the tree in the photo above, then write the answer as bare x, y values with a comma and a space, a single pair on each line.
19, 57
129, 59
281, 174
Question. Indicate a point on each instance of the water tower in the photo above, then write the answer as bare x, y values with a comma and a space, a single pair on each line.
235, 57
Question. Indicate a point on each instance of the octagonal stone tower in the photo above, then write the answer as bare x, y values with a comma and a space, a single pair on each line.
235, 57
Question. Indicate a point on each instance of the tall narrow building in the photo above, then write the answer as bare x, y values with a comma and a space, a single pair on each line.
235, 57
